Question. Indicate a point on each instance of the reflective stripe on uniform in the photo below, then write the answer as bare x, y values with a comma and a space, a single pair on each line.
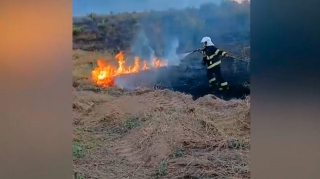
212, 80
214, 64
211, 56
224, 84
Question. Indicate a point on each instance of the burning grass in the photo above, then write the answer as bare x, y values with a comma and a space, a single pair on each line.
102, 68
105, 73
148, 133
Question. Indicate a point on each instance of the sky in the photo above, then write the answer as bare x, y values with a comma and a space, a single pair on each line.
84, 7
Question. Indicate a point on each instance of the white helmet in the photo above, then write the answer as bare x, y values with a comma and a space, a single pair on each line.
207, 41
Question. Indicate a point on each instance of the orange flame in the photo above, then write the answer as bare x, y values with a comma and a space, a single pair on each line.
104, 74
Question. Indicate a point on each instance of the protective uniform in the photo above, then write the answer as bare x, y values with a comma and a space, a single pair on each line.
212, 60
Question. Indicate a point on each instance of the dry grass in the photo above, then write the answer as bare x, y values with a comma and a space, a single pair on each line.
147, 134
84, 62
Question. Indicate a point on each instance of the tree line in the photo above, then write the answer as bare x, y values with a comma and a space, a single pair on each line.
225, 22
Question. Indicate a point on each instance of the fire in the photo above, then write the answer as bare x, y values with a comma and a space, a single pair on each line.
104, 74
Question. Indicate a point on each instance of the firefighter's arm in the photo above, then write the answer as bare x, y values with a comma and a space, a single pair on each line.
222, 53
203, 52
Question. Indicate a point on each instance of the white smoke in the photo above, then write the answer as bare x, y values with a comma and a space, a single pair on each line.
152, 55
124, 82
144, 51
142, 48
171, 53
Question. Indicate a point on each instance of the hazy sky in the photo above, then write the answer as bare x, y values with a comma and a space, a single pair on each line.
84, 7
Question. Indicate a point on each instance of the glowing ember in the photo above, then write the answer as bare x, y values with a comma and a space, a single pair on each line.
105, 74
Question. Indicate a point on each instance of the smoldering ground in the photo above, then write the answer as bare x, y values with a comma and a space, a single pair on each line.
184, 72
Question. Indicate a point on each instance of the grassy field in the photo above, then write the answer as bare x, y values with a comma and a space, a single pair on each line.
150, 133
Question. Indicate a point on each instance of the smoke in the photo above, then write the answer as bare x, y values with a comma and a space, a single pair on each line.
138, 80
147, 46
171, 52
152, 55
125, 82
142, 48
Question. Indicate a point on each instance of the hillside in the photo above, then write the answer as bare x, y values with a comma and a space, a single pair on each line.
227, 23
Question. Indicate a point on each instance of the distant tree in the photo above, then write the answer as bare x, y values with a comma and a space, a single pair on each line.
77, 29
93, 16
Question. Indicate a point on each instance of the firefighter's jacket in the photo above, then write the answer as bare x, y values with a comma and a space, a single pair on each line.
212, 56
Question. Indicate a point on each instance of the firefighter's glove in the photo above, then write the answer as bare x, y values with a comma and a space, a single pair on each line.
196, 50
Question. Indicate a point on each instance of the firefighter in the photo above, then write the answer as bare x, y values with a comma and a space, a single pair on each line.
212, 59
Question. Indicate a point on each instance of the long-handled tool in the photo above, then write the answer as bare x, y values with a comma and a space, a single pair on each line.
239, 59
242, 60
182, 56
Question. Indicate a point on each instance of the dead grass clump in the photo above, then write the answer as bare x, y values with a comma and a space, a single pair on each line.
215, 164
206, 130
230, 118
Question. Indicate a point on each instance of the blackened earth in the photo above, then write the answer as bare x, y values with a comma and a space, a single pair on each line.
190, 78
